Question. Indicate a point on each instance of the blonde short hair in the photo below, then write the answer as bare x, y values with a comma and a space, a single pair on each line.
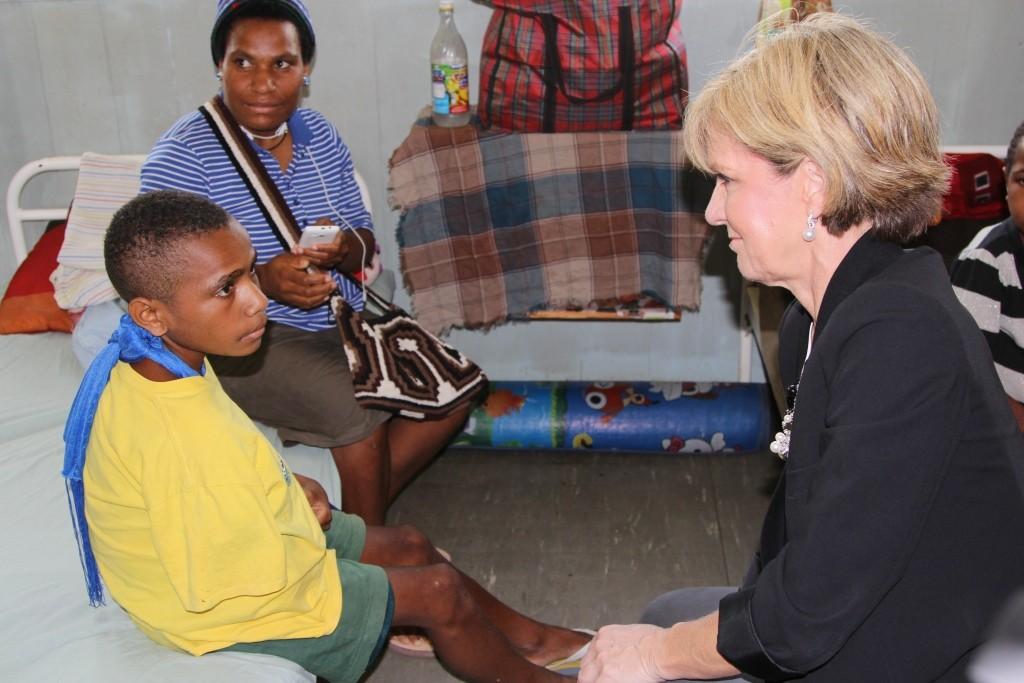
830, 90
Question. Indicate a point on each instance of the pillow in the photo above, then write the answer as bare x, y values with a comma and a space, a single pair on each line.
29, 305
105, 183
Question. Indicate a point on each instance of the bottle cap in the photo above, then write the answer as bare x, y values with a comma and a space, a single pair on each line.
446, 5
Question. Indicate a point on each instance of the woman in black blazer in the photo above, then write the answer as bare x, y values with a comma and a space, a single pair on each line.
897, 528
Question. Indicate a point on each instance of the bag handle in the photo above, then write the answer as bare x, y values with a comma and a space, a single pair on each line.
554, 75
262, 188
489, 114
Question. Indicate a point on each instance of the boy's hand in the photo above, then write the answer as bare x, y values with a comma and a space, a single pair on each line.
317, 498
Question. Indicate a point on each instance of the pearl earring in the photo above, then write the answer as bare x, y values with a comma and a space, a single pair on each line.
808, 234
305, 81
219, 75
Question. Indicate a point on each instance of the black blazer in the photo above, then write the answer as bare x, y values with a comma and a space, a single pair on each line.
897, 528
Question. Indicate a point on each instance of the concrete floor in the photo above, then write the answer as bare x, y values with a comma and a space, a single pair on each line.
585, 539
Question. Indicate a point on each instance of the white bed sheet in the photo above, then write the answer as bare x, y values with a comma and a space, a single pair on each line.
38, 379
48, 631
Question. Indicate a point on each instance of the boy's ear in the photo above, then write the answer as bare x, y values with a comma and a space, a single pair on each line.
149, 315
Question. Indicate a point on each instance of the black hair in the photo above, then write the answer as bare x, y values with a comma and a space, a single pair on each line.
262, 9
1011, 151
143, 250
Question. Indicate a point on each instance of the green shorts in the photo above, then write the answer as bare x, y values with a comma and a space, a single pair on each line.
367, 605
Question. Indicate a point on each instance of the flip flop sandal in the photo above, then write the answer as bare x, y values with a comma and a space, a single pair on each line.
570, 666
412, 642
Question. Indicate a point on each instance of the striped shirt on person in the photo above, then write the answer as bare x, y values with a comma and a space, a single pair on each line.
987, 278
319, 181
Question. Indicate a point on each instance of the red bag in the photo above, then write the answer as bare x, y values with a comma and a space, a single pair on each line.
977, 188
583, 65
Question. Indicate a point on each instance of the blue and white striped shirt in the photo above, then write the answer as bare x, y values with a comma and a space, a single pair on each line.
188, 157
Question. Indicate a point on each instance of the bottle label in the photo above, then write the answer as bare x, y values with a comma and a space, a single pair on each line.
450, 90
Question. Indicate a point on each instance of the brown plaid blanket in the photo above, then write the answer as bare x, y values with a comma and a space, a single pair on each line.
494, 225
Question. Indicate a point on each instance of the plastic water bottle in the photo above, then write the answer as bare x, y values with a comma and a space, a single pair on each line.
449, 70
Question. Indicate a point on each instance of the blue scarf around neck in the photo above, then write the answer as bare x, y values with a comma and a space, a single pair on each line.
129, 343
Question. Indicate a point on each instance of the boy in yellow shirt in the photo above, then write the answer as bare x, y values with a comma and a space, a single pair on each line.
200, 530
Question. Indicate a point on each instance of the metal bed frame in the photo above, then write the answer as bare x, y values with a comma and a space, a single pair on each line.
17, 216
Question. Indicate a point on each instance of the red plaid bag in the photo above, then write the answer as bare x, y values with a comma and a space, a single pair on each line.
583, 65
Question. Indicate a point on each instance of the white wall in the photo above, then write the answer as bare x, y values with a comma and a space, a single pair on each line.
111, 75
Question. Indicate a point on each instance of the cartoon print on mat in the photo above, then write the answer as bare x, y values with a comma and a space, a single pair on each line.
699, 390
671, 416
674, 390
479, 429
476, 431
501, 402
677, 444
583, 440
610, 398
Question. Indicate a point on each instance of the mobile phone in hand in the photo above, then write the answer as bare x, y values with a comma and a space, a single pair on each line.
318, 234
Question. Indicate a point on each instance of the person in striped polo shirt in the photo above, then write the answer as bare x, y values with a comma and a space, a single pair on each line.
298, 382
988, 278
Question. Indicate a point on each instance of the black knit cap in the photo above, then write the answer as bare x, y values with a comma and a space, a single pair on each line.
293, 10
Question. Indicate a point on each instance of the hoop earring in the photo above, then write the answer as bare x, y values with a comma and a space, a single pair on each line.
808, 234
219, 75
305, 81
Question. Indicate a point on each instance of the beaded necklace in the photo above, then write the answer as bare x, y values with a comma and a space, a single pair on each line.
281, 132
780, 444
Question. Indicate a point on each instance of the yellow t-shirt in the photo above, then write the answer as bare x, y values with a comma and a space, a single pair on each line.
199, 528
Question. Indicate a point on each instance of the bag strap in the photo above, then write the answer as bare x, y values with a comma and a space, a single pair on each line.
554, 75
627, 60
264, 191
262, 188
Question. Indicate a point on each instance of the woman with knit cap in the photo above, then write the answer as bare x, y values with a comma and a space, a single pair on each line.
299, 381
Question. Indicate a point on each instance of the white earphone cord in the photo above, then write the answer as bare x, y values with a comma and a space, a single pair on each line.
345, 224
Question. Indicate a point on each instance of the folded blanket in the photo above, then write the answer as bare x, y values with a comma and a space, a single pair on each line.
494, 225
105, 183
